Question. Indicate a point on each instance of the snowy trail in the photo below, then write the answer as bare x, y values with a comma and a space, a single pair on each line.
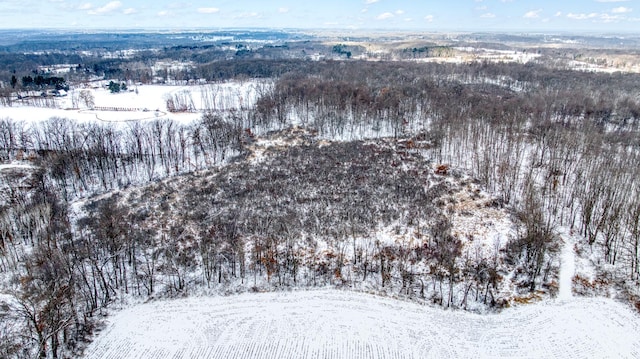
567, 269
12, 166
339, 324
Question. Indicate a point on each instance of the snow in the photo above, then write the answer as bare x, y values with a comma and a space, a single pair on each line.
567, 269
340, 324
603, 68
16, 166
479, 224
499, 55
145, 102
37, 114
58, 69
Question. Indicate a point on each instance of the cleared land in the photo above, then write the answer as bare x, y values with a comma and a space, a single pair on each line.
337, 324
148, 102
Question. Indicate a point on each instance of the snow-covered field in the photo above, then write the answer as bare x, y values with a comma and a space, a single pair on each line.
341, 324
144, 102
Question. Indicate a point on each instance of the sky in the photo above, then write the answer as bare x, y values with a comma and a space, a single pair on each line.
426, 15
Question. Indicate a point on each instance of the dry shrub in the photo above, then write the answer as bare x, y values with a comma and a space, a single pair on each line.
528, 298
597, 286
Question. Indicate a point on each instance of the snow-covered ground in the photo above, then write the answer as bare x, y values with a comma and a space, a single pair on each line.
341, 324
567, 269
484, 54
15, 165
145, 102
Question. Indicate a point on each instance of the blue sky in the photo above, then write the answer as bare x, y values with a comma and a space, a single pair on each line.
491, 15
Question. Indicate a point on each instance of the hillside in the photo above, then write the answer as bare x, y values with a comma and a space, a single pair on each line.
297, 211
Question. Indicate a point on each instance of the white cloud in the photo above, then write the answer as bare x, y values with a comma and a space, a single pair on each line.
533, 14
598, 17
481, 8
488, 15
246, 15
384, 16
559, 13
621, 10
399, 12
163, 13
129, 11
208, 10
606, 18
283, 10
85, 6
573, 16
429, 18
109, 7
369, 2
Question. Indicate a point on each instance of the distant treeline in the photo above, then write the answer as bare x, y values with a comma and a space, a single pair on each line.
41, 81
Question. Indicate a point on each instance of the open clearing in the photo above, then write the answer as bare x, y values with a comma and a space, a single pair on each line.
148, 102
340, 324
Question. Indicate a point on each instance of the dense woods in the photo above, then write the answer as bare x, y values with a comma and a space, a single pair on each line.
200, 210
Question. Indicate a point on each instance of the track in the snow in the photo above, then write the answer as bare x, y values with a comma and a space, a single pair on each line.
336, 324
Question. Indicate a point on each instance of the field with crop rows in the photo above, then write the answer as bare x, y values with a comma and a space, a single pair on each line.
337, 324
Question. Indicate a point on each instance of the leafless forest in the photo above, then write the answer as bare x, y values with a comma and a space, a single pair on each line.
162, 208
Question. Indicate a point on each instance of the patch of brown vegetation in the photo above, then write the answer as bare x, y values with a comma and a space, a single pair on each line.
584, 286
442, 170
529, 298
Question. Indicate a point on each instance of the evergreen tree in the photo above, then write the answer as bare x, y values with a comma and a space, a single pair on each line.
114, 87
